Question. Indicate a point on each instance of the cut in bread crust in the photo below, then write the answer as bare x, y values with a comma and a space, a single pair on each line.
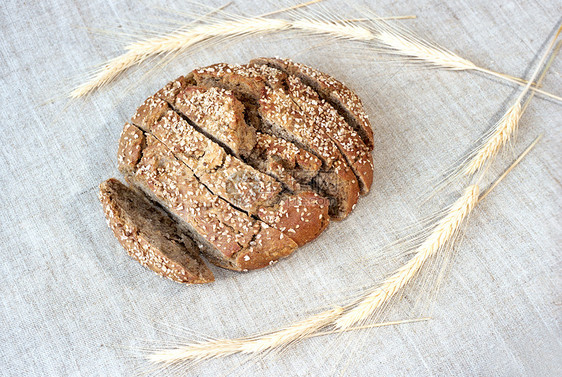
232, 180
326, 118
282, 118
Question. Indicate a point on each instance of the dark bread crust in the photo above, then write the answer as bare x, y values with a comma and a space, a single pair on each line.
335, 92
150, 236
230, 237
302, 216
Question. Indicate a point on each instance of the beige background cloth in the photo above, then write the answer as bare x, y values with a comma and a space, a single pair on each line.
73, 303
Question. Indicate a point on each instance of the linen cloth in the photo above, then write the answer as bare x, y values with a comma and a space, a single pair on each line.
74, 304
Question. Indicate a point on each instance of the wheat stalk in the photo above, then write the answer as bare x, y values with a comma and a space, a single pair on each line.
502, 132
507, 126
438, 240
402, 42
177, 41
259, 344
107, 73
183, 39
338, 29
390, 39
250, 345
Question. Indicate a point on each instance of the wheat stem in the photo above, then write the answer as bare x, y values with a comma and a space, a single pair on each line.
371, 326
539, 65
519, 81
406, 17
250, 345
555, 52
506, 127
403, 43
437, 241
510, 168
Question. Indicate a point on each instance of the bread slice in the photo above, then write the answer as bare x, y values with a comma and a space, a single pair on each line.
229, 237
325, 117
264, 88
150, 236
234, 181
216, 112
333, 91
335, 180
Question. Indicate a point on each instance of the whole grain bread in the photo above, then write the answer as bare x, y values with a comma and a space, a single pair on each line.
150, 236
241, 162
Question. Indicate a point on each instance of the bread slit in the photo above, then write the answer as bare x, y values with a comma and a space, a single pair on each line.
325, 117
290, 165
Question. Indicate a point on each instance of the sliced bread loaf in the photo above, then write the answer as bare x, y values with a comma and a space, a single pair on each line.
243, 162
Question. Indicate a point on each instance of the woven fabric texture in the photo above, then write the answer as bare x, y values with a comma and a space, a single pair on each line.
74, 304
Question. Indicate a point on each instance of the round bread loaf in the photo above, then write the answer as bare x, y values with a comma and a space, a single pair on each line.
249, 161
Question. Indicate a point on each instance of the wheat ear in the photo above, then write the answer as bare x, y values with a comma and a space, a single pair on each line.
402, 42
507, 126
439, 240
107, 73
183, 39
250, 345
501, 134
